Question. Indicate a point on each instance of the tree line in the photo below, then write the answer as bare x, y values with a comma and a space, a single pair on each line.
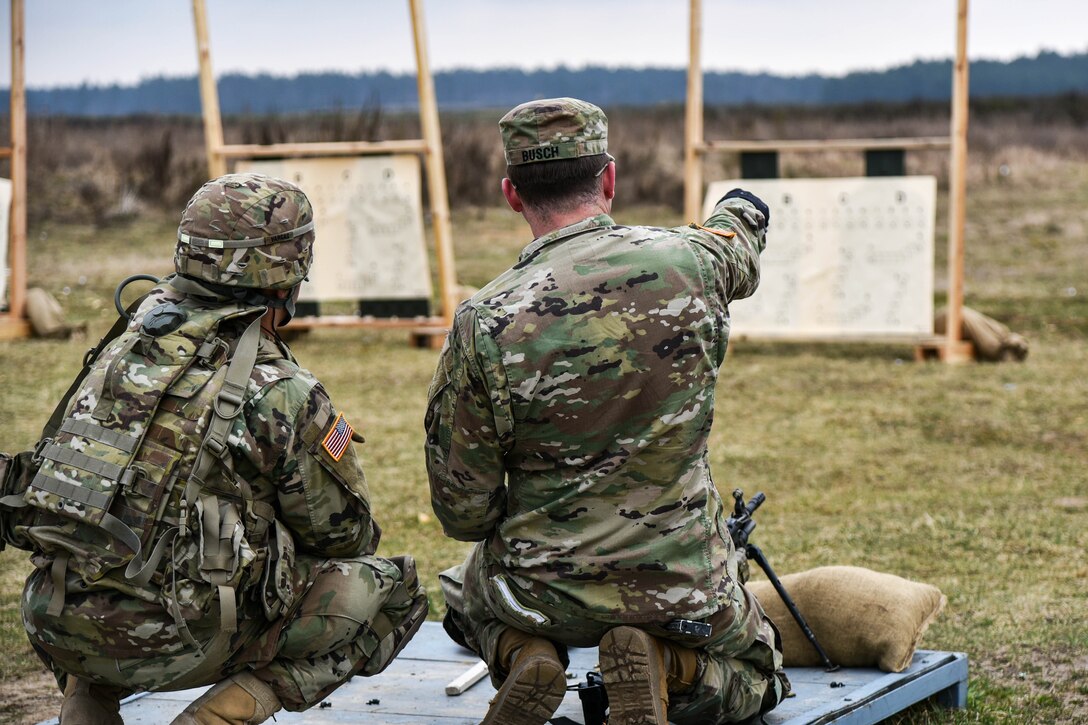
1045, 74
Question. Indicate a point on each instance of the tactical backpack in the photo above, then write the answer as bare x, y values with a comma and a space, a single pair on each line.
134, 469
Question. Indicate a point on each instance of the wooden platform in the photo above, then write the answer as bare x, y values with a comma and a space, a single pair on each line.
412, 690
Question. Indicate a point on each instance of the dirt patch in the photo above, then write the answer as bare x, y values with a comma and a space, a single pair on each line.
31, 699
1057, 672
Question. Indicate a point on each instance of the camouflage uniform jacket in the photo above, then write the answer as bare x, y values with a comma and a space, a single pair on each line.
321, 506
568, 418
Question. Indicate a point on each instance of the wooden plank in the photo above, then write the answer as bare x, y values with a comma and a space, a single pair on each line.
957, 352
843, 337
5, 152
436, 169
879, 697
12, 328
432, 337
957, 191
955, 695
209, 94
17, 218
693, 116
920, 143
411, 690
354, 321
323, 148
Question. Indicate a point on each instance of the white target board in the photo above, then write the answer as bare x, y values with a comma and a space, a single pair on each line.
845, 258
368, 220
5, 214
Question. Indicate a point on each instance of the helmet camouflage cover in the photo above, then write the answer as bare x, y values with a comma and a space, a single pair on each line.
247, 231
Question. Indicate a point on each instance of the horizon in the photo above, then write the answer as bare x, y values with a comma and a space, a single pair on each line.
129, 41
542, 69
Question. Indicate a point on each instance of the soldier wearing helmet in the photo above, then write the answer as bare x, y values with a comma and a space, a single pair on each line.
237, 548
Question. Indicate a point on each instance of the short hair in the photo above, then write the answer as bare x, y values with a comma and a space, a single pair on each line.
558, 185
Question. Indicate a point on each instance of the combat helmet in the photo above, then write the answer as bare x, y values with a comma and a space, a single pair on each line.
242, 234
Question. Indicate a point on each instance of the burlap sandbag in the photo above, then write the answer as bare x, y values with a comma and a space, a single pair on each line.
991, 340
46, 315
862, 618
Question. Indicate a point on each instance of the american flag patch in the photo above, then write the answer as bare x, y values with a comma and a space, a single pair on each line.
339, 438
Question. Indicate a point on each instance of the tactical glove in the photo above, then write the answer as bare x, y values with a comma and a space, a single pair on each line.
752, 219
743, 570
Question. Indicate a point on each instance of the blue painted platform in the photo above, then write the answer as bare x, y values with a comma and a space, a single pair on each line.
412, 690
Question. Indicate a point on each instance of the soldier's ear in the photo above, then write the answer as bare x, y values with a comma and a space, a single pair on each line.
512, 198
609, 179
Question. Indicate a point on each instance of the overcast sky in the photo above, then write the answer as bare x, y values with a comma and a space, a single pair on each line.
123, 41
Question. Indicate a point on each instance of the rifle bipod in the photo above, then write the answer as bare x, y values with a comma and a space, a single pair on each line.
755, 553
740, 526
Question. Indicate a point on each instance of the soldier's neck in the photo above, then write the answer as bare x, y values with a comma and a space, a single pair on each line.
271, 320
545, 223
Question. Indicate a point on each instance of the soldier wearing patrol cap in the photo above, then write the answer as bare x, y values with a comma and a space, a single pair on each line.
196, 511
567, 431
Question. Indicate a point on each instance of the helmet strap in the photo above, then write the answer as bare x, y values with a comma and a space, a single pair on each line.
288, 308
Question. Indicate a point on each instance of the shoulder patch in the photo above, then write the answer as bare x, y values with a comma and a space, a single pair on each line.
338, 438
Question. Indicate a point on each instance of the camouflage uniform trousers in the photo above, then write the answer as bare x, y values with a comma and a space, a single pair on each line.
352, 618
740, 665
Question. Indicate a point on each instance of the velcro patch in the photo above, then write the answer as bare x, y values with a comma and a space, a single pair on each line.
338, 438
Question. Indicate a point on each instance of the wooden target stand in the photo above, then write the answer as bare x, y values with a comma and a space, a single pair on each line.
951, 348
425, 331
13, 321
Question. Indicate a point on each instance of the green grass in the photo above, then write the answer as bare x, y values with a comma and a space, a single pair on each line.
971, 478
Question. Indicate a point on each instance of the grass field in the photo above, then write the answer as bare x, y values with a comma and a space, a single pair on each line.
970, 478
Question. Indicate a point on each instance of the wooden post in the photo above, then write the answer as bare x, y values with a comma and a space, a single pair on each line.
956, 350
14, 323
209, 95
427, 331
693, 117
436, 170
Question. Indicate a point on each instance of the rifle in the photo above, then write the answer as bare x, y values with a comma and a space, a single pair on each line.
594, 699
741, 525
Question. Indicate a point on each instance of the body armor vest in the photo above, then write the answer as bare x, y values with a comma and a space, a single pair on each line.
137, 483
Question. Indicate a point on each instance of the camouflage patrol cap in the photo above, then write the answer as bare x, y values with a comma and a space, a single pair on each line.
247, 231
553, 128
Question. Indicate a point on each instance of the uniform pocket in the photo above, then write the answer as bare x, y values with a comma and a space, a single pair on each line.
279, 586
439, 409
441, 380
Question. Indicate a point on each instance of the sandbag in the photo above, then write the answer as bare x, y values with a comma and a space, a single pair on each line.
862, 618
46, 315
992, 341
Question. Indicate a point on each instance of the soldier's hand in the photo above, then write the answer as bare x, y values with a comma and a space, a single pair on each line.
756, 221
743, 570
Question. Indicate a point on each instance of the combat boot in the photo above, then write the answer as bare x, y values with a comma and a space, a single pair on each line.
86, 703
639, 671
535, 686
241, 699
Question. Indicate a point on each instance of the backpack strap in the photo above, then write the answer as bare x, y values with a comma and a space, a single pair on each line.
228, 404
217, 555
